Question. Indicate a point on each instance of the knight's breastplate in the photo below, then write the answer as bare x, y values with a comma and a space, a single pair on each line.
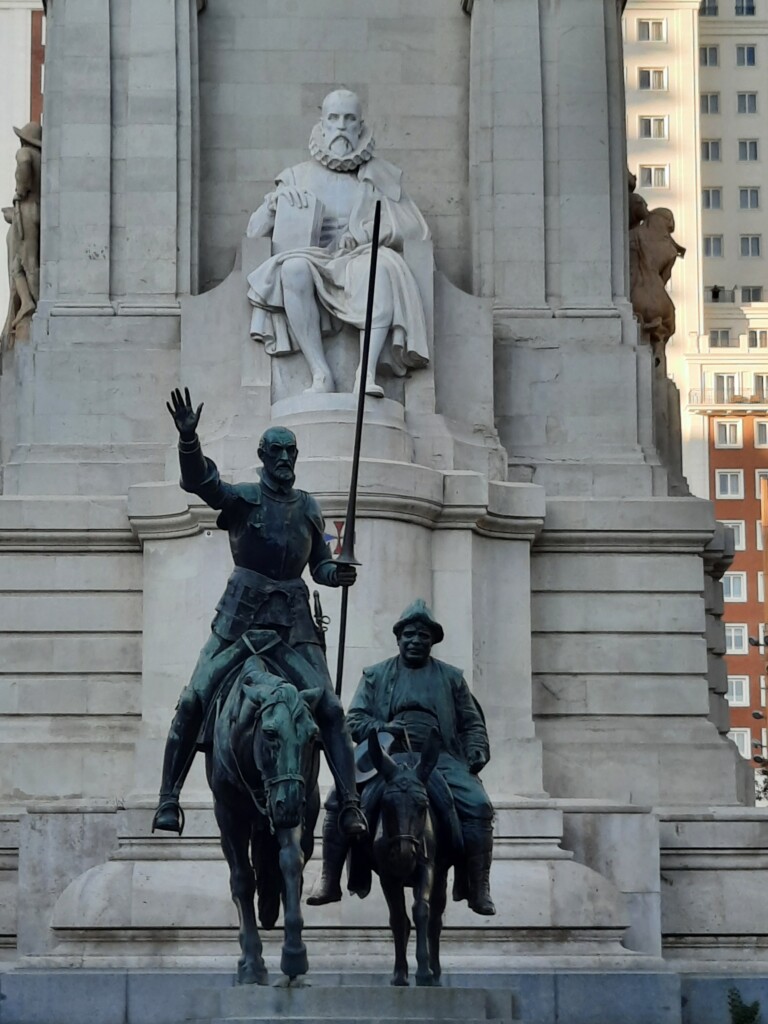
275, 539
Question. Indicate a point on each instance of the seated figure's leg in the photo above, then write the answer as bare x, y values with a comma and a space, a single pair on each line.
182, 736
380, 327
303, 317
328, 886
339, 752
475, 812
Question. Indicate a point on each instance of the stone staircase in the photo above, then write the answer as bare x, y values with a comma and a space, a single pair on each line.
361, 1004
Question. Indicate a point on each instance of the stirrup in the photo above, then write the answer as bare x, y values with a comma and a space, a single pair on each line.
164, 806
355, 824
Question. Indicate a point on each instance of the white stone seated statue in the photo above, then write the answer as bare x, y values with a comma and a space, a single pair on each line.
320, 220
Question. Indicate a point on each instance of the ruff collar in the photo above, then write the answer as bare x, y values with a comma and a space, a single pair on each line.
351, 161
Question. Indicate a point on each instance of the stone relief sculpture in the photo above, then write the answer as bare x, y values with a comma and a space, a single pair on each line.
652, 254
320, 219
23, 238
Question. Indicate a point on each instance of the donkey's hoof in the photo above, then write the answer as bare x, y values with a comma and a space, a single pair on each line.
399, 980
293, 962
251, 974
426, 981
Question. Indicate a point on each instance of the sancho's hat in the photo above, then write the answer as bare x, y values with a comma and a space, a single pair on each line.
32, 134
418, 611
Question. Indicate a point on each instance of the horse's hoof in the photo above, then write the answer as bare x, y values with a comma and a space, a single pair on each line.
249, 975
425, 981
399, 980
293, 962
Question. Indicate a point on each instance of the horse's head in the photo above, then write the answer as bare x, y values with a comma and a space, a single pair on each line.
282, 743
404, 806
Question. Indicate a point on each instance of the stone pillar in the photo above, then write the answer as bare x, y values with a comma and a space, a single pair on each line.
548, 190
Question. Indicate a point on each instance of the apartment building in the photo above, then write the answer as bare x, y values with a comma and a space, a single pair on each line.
708, 62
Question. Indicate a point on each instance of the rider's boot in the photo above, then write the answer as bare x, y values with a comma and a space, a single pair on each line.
478, 844
341, 758
179, 753
327, 889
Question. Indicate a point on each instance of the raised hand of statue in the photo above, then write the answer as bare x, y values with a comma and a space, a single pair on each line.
184, 416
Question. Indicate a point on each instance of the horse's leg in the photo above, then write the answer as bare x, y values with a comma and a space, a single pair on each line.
293, 961
436, 911
422, 898
235, 828
399, 925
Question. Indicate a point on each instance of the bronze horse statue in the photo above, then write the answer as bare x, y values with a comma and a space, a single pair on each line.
262, 770
412, 847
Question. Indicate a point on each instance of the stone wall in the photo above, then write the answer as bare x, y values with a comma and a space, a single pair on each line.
264, 70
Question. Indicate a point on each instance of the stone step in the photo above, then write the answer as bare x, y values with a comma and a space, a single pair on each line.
357, 1020
350, 1003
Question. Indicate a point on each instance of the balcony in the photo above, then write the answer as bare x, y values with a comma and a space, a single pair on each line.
744, 401
743, 9
718, 294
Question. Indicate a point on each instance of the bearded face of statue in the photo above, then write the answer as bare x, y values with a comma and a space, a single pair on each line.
342, 122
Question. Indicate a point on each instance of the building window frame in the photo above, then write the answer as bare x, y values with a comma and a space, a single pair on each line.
750, 246
748, 151
738, 695
720, 337
735, 592
729, 484
712, 197
747, 100
736, 638
761, 427
711, 150
746, 55
742, 738
657, 30
713, 246
709, 103
653, 126
752, 293
738, 529
657, 79
709, 56
749, 197
733, 434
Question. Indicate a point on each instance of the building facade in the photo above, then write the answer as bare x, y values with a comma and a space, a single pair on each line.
704, 63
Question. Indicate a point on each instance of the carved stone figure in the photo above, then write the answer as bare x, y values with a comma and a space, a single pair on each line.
306, 291
414, 693
275, 532
652, 254
23, 239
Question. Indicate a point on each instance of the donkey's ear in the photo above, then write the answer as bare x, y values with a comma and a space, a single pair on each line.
312, 697
429, 755
380, 759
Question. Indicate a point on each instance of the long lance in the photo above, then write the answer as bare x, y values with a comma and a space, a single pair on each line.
347, 556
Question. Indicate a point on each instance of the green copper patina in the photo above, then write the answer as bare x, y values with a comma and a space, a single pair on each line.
411, 695
275, 532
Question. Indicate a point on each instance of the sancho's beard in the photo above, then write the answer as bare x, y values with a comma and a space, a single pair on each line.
320, 143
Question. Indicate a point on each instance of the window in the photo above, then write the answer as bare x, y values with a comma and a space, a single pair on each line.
742, 738
729, 483
744, 8
747, 149
760, 474
713, 245
712, 199
735, 638
736, 526
749, 245
725, 386
746, 103
721, 338
653, 127
652, 78
651, 31
710, 149
710, 103
708, 8
759, 535
761, 434
738, 691
752, 293
728, 434
761, 587
749, 198
760, 384
735, 586
758, 339
654, 177
708, 56
746, 56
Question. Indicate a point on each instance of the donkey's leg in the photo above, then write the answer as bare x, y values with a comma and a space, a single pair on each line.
293, 961
235, 831
422, 897
400, 927
436, 911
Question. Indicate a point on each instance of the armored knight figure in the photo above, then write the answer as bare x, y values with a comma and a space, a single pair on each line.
415, 693
275, 531
301, 295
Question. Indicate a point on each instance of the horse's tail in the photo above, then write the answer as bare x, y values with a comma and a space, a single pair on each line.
265, 856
